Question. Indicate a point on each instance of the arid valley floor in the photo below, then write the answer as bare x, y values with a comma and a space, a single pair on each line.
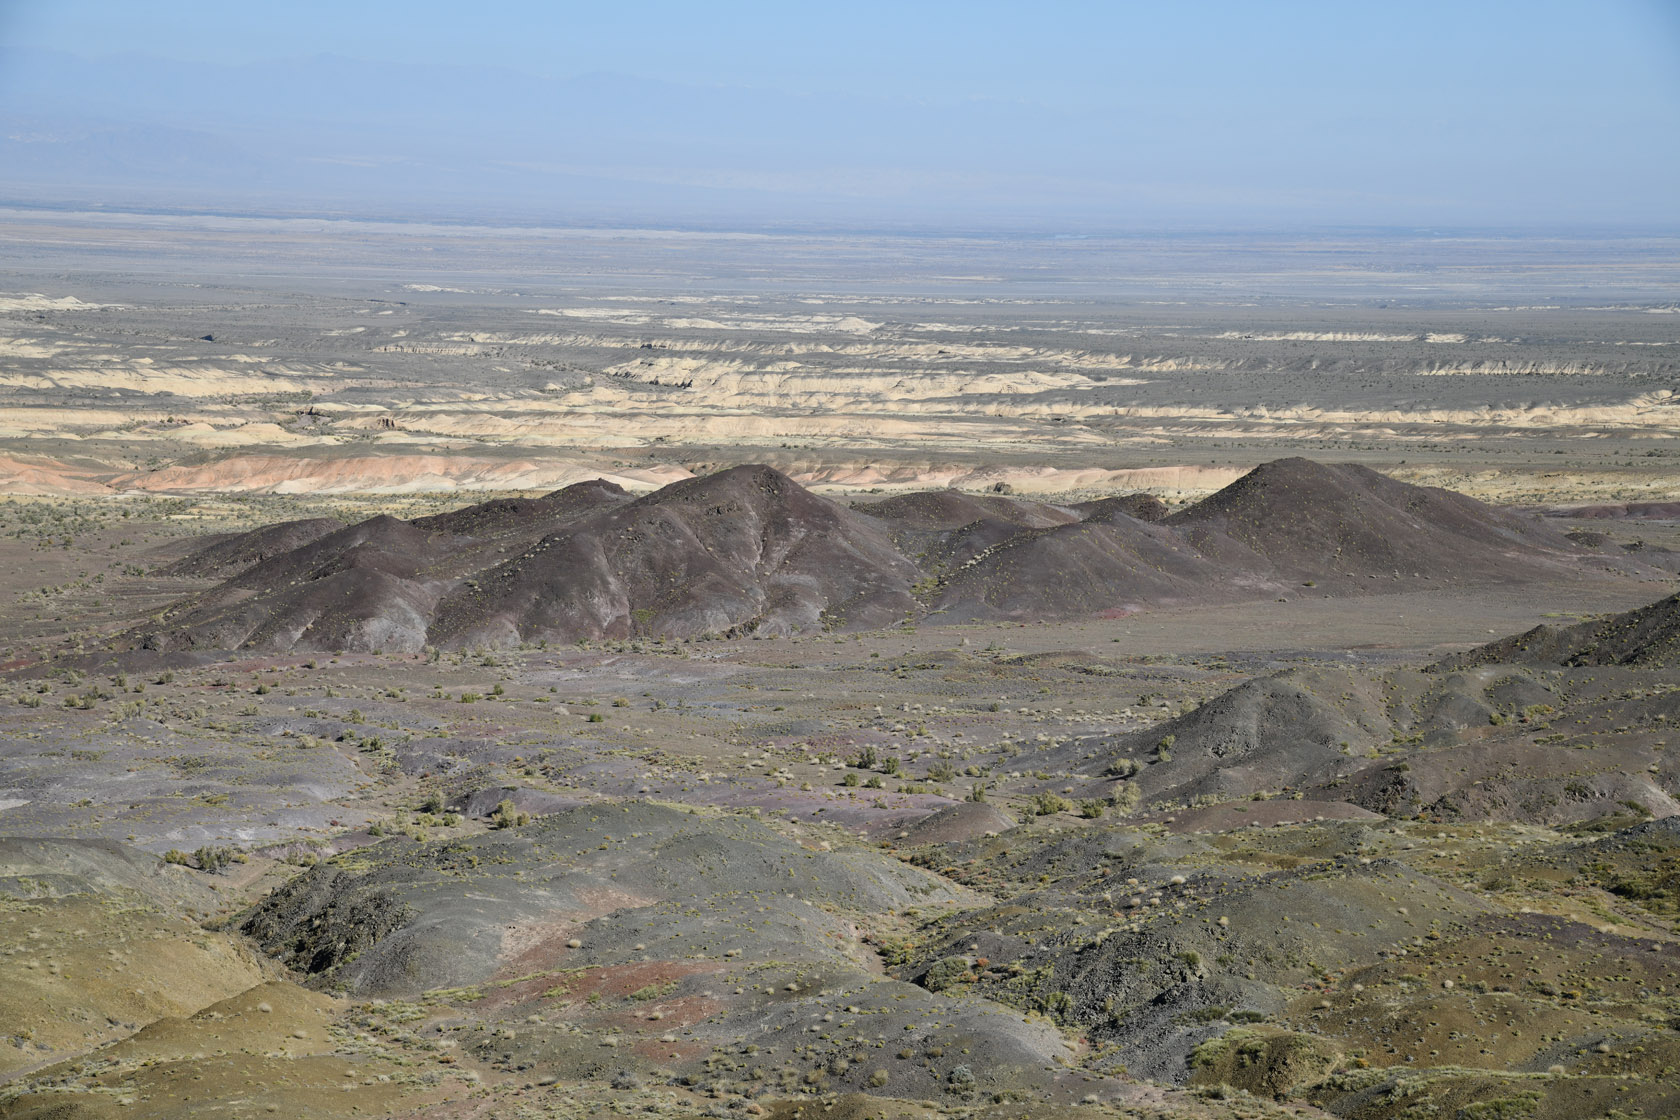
459, 672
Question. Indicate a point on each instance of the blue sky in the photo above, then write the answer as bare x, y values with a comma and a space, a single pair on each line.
1113, 115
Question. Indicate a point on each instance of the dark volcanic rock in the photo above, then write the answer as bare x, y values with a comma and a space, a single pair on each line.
1647, 637
1552, 727
952, 509
1114, 565
1294, 729
484, 801
228, 558
1335, 523
360, 588
521, 514
744, 550
747, 549
1340, 529
1623, 511
1143, 507
944, 529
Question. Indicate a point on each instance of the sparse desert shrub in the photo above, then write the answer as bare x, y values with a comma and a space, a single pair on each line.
941, 771
508, 816
1091, 810
947, 973
977, 792
1204, 1015
212, 858
1522, 1104
1048, 804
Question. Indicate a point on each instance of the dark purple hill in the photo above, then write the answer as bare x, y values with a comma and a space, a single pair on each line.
1340, 523
1647, 637
230, 556
1141, 506
749, 550
504, 515
361, 587
952, 509
746, 549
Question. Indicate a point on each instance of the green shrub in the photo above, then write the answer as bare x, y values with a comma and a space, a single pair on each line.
1048, 804
507, 816
947, 972
212, 858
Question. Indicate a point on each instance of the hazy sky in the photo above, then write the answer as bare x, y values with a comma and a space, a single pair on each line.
1081, 114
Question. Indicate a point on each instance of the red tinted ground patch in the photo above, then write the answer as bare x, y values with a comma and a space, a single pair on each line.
541, 946
613, 983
